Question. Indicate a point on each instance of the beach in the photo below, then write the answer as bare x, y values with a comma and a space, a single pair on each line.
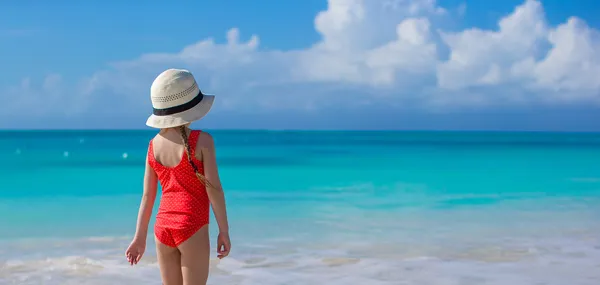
316, 207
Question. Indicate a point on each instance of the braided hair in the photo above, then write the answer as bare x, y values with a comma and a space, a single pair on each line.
188, 151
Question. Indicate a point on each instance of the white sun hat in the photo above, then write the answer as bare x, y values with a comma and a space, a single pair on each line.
177, 100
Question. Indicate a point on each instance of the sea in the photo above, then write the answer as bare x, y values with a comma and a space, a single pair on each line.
316, 207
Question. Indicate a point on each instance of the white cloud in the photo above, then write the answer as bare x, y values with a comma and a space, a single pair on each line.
42, 97
573, 63
387, 51
480, 57
545, 63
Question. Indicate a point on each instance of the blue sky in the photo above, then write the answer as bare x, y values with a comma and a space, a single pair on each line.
310, 64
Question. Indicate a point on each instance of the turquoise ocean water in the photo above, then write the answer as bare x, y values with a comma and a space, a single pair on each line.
317, 207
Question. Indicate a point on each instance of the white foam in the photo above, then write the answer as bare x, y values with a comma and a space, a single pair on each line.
125, 155
100, 260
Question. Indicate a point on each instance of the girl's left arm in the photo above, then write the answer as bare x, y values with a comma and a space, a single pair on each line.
147, 203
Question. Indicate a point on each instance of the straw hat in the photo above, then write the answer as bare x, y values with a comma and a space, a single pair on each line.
177, 100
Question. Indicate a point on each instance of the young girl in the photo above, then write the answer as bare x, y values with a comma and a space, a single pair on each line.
184, 163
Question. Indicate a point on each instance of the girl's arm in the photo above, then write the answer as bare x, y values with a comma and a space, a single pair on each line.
211, 172
145, 211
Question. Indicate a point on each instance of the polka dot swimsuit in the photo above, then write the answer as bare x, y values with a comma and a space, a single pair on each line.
184, 205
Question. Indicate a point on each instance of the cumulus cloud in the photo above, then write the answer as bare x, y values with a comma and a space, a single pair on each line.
545, 63
390, 52
480, 57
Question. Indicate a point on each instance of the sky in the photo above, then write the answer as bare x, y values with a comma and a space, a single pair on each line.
306, 64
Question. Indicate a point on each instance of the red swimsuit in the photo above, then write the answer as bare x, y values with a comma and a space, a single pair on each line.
184, 205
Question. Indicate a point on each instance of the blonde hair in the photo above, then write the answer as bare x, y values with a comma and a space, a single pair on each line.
188, 151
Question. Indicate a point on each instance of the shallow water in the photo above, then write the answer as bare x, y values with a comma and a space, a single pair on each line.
317, 208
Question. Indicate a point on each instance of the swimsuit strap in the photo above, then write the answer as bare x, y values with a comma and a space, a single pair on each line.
193, 141
151, 152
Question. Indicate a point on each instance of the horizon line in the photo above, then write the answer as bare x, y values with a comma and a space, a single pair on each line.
309, 130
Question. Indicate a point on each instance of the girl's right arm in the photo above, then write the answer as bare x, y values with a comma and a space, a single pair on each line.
136, 249
147, 203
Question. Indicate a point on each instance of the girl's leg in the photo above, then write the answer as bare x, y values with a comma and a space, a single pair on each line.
169, 261
195, 258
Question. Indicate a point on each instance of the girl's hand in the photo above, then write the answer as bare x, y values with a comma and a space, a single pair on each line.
223, 245
135, 251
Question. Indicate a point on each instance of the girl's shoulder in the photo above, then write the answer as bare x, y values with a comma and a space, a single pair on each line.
205, 140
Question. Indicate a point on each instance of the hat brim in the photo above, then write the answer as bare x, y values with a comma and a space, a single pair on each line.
188, 116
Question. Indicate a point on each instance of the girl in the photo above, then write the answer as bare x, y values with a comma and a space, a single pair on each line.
184, 163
